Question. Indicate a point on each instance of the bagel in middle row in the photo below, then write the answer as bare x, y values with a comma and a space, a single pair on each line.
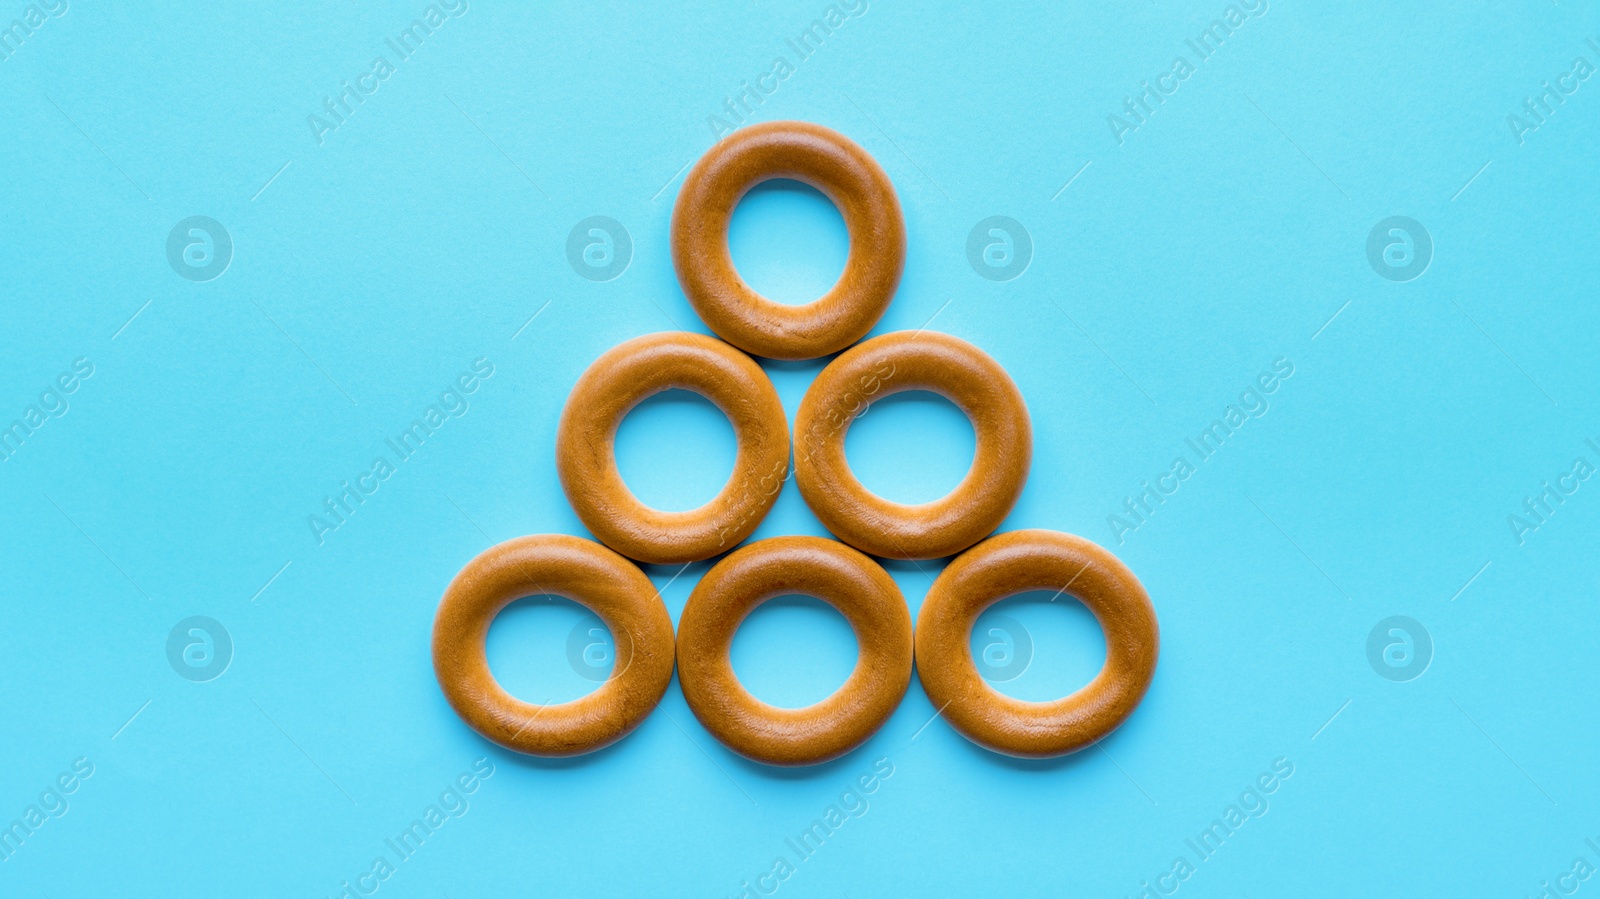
625, 376
892, 363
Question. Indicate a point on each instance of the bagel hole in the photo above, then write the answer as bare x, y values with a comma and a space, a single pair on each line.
676, 450
911, 447
794, 651
549, 649
788, 241
1038, 646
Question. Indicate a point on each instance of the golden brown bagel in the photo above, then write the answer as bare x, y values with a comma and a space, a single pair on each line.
831, 163
834, 573
584, 572
1013, 563
622, 378
913, 360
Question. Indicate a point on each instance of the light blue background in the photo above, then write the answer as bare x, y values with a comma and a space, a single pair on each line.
1226, 232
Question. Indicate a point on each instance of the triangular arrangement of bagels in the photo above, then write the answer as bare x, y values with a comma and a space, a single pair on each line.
985, 570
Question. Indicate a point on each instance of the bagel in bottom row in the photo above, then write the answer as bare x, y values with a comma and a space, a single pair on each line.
849, 581
1018, 562
584, 572
857, 586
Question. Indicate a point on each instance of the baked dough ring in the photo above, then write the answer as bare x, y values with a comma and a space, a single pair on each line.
622, 378
838, 575
913, 360
584, 572
833, 164
1013, 563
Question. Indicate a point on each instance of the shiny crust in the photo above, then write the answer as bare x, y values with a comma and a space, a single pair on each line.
838, 575
1013, 563
621, 379
837, 167
913, 360
584, 572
